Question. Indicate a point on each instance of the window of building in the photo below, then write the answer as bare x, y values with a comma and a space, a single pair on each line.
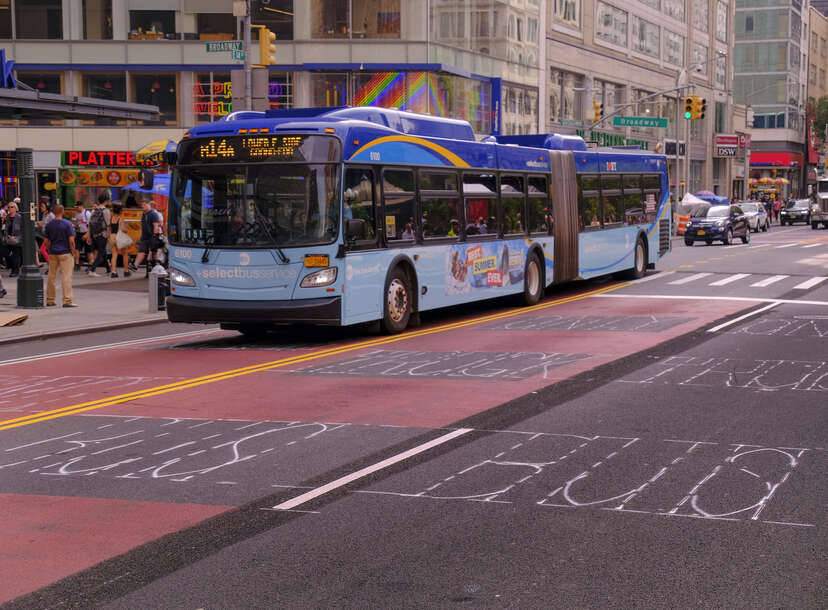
656, 4
370, 19
761, 57
39, 20
699, 56
5, 20
611, 24
159, 90
700, 15
823, 47
566, 93
105, 86
565, 12
480, 24
821, 78
673, 48
721, 21
646, 37
674, 9
612, 94
762, 24
812, 72
216, 26
721, 71
151, 25
814, 42
97, 19
277, 15
329, 89
720, 117
212, 96
43, 82
532, 30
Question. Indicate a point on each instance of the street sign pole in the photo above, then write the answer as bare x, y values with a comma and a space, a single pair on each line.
30, 282
248, 88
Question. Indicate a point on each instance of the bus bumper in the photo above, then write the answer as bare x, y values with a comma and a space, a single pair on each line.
326, 311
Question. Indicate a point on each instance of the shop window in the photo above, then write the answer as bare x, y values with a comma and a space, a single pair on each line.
212, 96
97, 19
41, 19
158, 90
370, 19
216, 26
329, 89
105, 87
151, 25
277, 15
5, 20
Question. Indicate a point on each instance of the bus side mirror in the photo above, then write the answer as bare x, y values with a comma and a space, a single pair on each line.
355, 229
146, 178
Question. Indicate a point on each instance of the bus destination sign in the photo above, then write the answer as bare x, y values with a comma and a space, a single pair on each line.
256, 148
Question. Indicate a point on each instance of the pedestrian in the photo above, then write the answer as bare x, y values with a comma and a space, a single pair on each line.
60, 244
98, 234
117, 223
12, 235
150, 230
777, 207
81, 222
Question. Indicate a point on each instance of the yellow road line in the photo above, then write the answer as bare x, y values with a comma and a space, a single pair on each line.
256, 368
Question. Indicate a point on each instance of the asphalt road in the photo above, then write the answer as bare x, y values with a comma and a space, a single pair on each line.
654, 444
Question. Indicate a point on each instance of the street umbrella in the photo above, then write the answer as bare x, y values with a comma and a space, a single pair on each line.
155, 150
160, 186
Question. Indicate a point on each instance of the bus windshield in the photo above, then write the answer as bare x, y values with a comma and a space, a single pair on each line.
256, 205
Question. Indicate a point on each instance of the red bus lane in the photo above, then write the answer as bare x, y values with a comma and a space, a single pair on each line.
397, 386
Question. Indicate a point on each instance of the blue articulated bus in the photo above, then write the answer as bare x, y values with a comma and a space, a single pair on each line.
339, 216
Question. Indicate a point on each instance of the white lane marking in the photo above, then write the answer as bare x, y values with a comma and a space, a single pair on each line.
319, 491
691, 297
787, 245
810, 283
692, 278
732, 278
95, 348
768, 281
812, 245
650, 278
740, 318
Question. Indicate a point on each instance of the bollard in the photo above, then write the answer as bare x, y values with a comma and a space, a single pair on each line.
30, 282
159, 285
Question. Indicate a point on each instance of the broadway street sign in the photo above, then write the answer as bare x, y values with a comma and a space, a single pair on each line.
224, 45
638, 121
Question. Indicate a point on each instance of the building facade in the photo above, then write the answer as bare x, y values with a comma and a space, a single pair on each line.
770, 76
506, 66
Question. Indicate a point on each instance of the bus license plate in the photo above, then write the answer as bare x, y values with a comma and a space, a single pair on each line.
316, 260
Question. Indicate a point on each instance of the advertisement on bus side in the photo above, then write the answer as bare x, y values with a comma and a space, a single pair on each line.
483, 266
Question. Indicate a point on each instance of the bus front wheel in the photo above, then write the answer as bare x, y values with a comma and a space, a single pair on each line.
397, 308
640, 260
532, 280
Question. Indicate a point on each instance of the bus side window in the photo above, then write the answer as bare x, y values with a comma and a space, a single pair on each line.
541, 212
512, 193
633, 200
588, 203
480, 204
612, 200
398, 205
359, 201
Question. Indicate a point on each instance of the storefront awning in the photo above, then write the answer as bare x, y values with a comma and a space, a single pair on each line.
776, 159
154, 150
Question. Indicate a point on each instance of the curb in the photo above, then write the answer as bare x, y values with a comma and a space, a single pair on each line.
81, 330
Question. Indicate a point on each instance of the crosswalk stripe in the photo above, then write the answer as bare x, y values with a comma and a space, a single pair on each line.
812, 246
810, 283
691, 278
732, 278
787, 245
767, 282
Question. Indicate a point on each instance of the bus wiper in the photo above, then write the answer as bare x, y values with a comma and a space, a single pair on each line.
261, 219
205, 258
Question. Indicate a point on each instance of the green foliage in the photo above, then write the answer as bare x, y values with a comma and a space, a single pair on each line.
820, 116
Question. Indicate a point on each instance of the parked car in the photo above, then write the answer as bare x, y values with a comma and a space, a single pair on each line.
796, 210
756, 214
718, 222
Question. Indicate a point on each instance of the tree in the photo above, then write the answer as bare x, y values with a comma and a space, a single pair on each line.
820, 116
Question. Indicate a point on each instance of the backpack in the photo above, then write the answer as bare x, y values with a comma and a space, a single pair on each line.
97, 224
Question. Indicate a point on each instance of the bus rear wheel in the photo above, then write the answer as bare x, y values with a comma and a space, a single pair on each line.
532, 280
640, 262
397, 307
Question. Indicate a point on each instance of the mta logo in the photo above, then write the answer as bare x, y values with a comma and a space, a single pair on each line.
6, 72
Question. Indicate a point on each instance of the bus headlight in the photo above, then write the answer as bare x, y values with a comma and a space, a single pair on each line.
320, 278
179, 278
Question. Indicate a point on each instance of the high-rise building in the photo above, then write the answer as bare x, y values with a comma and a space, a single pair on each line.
770, 76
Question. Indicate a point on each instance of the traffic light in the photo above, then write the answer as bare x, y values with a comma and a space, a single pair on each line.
700, 107
689, 104
597, 111
267, 46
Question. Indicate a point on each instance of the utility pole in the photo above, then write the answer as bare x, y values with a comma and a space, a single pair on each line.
30, 282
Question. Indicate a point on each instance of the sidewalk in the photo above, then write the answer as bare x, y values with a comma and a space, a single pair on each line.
104, 303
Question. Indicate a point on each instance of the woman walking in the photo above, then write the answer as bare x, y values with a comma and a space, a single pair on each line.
117, 224
12, 234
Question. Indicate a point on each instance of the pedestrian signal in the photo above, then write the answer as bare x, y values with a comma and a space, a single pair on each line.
597, 111
688, 106
267, 46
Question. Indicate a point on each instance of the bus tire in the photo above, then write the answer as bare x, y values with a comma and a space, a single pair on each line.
532, 280
639, 261
397, 302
